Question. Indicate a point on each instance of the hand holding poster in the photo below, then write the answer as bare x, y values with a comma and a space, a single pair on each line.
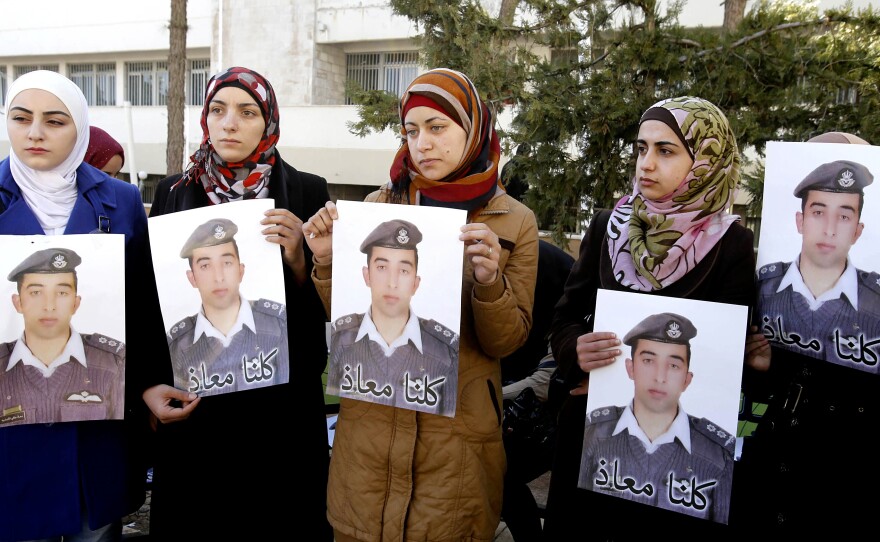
661, 418
395, 342
63, 332
225, 333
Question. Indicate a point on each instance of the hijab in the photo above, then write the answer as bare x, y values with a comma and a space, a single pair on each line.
230, 181
102, 147
653, 244
475, 180
52, 194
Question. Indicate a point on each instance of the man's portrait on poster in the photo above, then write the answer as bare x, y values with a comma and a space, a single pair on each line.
51, 368
646, 445
823, 301
227, 342
387, 352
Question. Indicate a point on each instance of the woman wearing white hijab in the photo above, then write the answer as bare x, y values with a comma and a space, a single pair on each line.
73, 481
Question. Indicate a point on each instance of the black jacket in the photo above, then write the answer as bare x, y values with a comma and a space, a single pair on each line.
229, 468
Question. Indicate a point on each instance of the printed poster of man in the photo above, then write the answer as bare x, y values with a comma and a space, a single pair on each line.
396, 307
62, 328
221, 290
662, 418
819, 290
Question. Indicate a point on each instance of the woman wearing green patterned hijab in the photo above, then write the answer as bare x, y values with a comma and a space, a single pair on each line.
675, 215
671, 236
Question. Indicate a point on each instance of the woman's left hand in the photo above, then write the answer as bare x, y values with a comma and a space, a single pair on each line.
285, 228
482, 248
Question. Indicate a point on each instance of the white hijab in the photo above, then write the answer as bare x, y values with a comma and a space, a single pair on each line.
52, 194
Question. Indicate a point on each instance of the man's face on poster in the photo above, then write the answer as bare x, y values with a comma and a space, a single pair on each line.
47, 301
392, 279
660, 375
217, 272
829, 225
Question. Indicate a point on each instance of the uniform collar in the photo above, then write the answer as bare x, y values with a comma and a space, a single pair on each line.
73, 350
846, 286
679, 430
245, 319
411, 333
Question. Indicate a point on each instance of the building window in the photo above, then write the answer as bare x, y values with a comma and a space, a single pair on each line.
27, 68
2, 84
146, 83
97, 81
197, 80
391, 72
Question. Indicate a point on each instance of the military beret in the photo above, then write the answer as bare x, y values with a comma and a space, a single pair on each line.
665, 327
393, 234
837, 176
216, 231
50, 260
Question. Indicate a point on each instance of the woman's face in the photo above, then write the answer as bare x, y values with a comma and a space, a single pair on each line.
663, 161
235, 123
41, 130
436, 143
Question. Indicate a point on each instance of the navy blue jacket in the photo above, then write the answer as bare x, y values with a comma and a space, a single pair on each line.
45, 467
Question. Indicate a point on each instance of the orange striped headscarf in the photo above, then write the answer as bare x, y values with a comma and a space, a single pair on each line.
475, 180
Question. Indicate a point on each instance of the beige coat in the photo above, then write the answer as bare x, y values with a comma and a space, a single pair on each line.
399, 474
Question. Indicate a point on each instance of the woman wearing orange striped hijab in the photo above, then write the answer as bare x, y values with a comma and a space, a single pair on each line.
399, 474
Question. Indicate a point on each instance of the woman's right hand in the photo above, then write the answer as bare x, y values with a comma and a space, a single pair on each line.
597, 349
757, 351
159, 399
318, 232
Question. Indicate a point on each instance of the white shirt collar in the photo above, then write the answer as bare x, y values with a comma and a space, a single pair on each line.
847, 285
73, 350
680, 429
411, 332
245, 318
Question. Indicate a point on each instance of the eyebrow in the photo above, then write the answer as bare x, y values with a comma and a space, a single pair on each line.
230, 254
240, 104
652, 353
659, 143
26, 110
825, 206
430, 119
386, 260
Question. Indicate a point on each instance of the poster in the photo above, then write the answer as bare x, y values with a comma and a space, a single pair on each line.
661, 419
396, 306
221, 290
818, 286
62, 337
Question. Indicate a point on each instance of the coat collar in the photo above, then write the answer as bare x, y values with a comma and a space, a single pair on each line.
95, 194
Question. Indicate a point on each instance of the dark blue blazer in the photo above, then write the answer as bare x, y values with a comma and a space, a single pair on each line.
45, 468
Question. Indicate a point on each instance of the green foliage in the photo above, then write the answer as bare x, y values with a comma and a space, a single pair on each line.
786, 72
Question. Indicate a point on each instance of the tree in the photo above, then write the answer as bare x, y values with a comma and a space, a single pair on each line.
176, 84
784, 72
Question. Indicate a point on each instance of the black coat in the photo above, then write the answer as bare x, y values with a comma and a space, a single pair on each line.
725, 275
229, 468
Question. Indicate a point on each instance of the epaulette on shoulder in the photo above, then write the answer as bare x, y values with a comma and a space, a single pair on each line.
105, 343
179, 329
772, 270
714, 432
439, 331
271, 308
871, 280
349, 321
604, 414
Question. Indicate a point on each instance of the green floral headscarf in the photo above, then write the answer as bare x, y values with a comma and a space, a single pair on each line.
653, 243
